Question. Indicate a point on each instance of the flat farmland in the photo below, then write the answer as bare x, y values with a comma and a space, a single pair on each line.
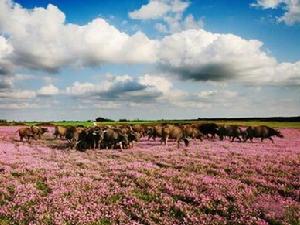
209, 182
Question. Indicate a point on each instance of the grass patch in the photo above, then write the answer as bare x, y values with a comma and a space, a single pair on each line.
102, 221
177, 213
144, 195
114, 198
16, 174
43, 187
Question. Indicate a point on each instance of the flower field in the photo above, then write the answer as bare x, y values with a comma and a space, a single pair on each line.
209, 182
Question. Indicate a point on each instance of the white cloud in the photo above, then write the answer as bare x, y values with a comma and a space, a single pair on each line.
5, 52
170, 14
43, 40
48, 90
81, 88
18, 94
14, 106
291, 7
156, 9
159, 82
204, 56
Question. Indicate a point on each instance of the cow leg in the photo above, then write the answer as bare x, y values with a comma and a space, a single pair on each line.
178, 143
271, 139
240, 140
232, 140
166, 140
261, 140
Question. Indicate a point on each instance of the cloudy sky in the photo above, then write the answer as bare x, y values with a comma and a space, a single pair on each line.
149, 59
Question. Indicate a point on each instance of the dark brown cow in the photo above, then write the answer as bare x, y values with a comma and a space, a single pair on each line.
261, 132
231, 131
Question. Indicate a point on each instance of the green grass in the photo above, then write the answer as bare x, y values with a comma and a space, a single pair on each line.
220, 122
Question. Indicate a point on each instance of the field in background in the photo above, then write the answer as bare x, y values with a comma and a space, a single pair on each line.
220, 122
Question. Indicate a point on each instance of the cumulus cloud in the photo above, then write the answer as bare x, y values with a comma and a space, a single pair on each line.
291, 9
40, 38
156, 9
204, 56
170, 13
115, 88
5, 52
43, 40
48, 90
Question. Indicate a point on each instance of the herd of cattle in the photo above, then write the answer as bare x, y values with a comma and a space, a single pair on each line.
123, 136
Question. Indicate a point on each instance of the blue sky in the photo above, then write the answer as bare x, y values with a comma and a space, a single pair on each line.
148, 59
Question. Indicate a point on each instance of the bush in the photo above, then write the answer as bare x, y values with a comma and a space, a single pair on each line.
101, 119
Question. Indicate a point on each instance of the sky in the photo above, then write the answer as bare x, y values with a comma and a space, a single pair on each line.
149, 59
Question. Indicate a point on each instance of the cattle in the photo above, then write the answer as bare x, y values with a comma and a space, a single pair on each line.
192, 132
38, 130
231, 131
261, 132
71, 133
208, 129
173, 132
94, 136
82, 144
155, 131
25, 132
141, 129
68, 132
133, 137
60, 131
88, 138
113, 138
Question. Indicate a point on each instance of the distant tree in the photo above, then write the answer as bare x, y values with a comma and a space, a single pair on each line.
123, 120
101, 119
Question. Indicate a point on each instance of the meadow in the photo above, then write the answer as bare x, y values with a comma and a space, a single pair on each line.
209, 182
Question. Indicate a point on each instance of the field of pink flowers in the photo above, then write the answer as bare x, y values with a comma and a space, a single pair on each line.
210, 182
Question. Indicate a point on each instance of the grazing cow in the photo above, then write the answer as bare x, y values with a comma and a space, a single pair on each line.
113, 138
82, 144
94, 137
60, 131
261, 132
133, 137
71, 133
231, 131
38, 130
173, 132
208, 129
25, 132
